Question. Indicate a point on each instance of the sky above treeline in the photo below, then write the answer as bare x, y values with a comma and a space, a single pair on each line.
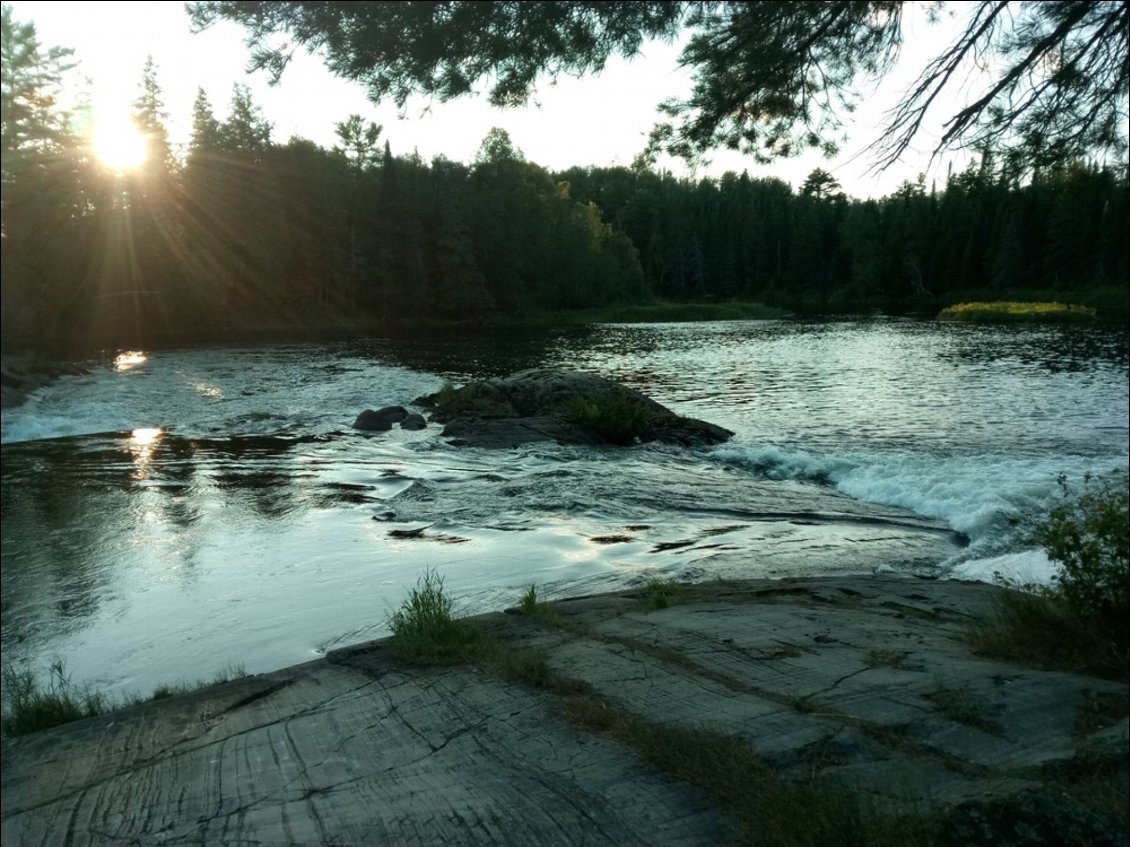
595, 120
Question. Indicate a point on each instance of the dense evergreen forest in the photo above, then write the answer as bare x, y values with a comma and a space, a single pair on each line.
241, 233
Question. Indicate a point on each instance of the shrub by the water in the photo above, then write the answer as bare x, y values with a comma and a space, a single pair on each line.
1080, 622
1087, 535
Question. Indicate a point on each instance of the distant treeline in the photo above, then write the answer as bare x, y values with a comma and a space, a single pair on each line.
1064, 234
242, 234
248, 235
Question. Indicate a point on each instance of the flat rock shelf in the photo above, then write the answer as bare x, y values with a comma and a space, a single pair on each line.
850, 677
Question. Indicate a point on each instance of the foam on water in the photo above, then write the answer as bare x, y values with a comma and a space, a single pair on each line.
987, 496
212, 392
1028, 567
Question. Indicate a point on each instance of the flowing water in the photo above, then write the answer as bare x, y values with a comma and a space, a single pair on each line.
177, 511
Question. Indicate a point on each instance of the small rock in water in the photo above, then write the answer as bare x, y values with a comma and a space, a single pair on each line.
414, 422
20, 376
380, 420
370, 422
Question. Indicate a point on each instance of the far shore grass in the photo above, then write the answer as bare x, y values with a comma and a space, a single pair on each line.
1110, 302
1011, 311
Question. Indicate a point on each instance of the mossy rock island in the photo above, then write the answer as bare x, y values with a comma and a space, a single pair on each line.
546, 404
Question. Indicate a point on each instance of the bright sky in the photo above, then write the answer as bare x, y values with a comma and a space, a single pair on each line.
600, 120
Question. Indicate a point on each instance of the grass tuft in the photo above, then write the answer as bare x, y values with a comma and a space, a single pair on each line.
446, 394
663, 593
165, 691
1100, 711
1095, 780
963, 706
535, 609
230, 671
530, 603
233, 670
767, 808
424, 628
451, 398
885, 658
618, 418
1035, 627
32, 708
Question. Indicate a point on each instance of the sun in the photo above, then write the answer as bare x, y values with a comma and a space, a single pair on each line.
118, 144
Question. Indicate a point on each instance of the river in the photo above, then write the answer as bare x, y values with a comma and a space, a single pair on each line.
174, 512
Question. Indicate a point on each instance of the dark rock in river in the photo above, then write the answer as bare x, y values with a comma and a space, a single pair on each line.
10, 397
414, 422
380, 420
554, 405
370, 421
19, 376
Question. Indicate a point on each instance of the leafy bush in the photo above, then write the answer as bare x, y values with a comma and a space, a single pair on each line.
1087, 535
1080, 622
618, 418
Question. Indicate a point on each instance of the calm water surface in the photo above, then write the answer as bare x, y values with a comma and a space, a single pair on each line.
173, 513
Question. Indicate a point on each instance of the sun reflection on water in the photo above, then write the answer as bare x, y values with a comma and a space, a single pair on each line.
129, 359
141, 444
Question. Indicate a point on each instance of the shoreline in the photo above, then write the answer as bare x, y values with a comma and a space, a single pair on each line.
334, 326
864, 680
23, 374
